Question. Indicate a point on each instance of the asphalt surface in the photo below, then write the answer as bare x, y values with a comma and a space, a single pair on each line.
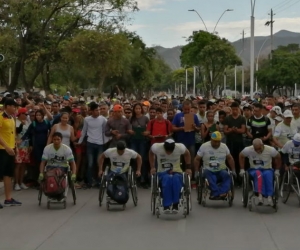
88, 226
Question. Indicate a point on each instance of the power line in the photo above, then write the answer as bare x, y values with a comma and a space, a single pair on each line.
288, 7
282, 4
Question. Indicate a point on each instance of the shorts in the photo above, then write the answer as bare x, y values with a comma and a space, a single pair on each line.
7, 165
22, 155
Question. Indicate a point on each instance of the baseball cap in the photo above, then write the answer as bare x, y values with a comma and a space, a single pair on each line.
287, 114
169, 145
22, 111
269, 107
146, 103
216, 136
76, 110
117, 108
278, 118
277, 110
287, 104
7, 94
296, 139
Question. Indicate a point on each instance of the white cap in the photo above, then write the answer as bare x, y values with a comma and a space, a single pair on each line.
287, 114
277, 110
278, 118
170, 141
6, 94
296, 138
287, 104
243, 103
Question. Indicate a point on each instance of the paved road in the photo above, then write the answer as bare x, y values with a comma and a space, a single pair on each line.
89, 227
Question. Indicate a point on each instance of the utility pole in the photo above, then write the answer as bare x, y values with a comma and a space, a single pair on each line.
243, 78
270, 23
252, 44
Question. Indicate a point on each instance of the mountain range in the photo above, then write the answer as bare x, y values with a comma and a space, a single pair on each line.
262, 48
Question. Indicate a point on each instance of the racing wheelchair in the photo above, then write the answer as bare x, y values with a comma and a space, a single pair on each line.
185, 202
290, 182
131, 181
203, 189
62, 182
249, 194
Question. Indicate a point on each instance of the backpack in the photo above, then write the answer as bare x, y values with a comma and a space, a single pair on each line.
55, 182
117, 188
152, 123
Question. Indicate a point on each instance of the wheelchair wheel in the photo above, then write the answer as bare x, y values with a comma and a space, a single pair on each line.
187, 193
40, 194
231, 195
199, 189
153, 194
72, 187
133, 188
102, 190
245, 189
276, 193
285, 188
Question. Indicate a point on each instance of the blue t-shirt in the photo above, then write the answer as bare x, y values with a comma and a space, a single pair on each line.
186, 138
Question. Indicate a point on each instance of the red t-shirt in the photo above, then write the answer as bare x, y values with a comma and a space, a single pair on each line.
156, 127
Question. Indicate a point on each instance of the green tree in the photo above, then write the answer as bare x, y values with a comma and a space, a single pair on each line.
282, 70
35, 29
211, 54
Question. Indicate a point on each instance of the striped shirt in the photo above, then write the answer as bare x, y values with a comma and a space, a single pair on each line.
259, 126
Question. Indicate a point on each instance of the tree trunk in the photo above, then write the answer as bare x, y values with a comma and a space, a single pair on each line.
100, 84
15, 76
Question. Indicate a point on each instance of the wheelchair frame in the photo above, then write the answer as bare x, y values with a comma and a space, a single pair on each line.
131, 178
185, 201
69, 184
203, 189
249, 199
290, 182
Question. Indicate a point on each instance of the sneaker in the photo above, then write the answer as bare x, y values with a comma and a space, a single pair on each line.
17, 187
1, 206
270, 201
23, 186
175, 209
167, 210
12, 202
260, 200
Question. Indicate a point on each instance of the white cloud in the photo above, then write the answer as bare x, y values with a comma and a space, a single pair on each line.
232, 30
156, 9
136, 27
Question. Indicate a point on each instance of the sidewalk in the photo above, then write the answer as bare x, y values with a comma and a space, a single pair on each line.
1, 188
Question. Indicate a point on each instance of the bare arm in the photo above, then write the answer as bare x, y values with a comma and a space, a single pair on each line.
53, 130
227, 130
176, 129
197, 162
241, 130
42, 167
230, 161
242, 161
73, 167
152, 161
73, 137
277, 161
204, 131
277, 143
100, 164
139, 162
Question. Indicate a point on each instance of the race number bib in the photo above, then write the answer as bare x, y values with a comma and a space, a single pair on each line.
215, 165
118, 166
166, 165
258, 163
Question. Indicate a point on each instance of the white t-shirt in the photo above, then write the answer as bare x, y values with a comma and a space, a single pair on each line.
273, 125
263, 160
293, 152
120, 163
57, 158
168, 162
283, 133
213, 159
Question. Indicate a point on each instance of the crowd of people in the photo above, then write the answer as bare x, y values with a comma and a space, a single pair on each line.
90, 126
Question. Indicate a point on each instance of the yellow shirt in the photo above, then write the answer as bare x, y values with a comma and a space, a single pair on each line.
7, 130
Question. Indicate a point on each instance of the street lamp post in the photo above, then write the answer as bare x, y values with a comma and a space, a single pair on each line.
220, 19
258, 55
200, 18
252, 48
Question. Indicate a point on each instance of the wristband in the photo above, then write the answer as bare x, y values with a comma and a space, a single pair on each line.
188, 166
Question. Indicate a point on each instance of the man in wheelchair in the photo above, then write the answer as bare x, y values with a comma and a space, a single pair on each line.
120, 158
291, 154
214, 155
169, 172
260, 158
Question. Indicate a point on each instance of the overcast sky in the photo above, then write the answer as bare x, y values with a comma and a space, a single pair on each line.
166, 22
